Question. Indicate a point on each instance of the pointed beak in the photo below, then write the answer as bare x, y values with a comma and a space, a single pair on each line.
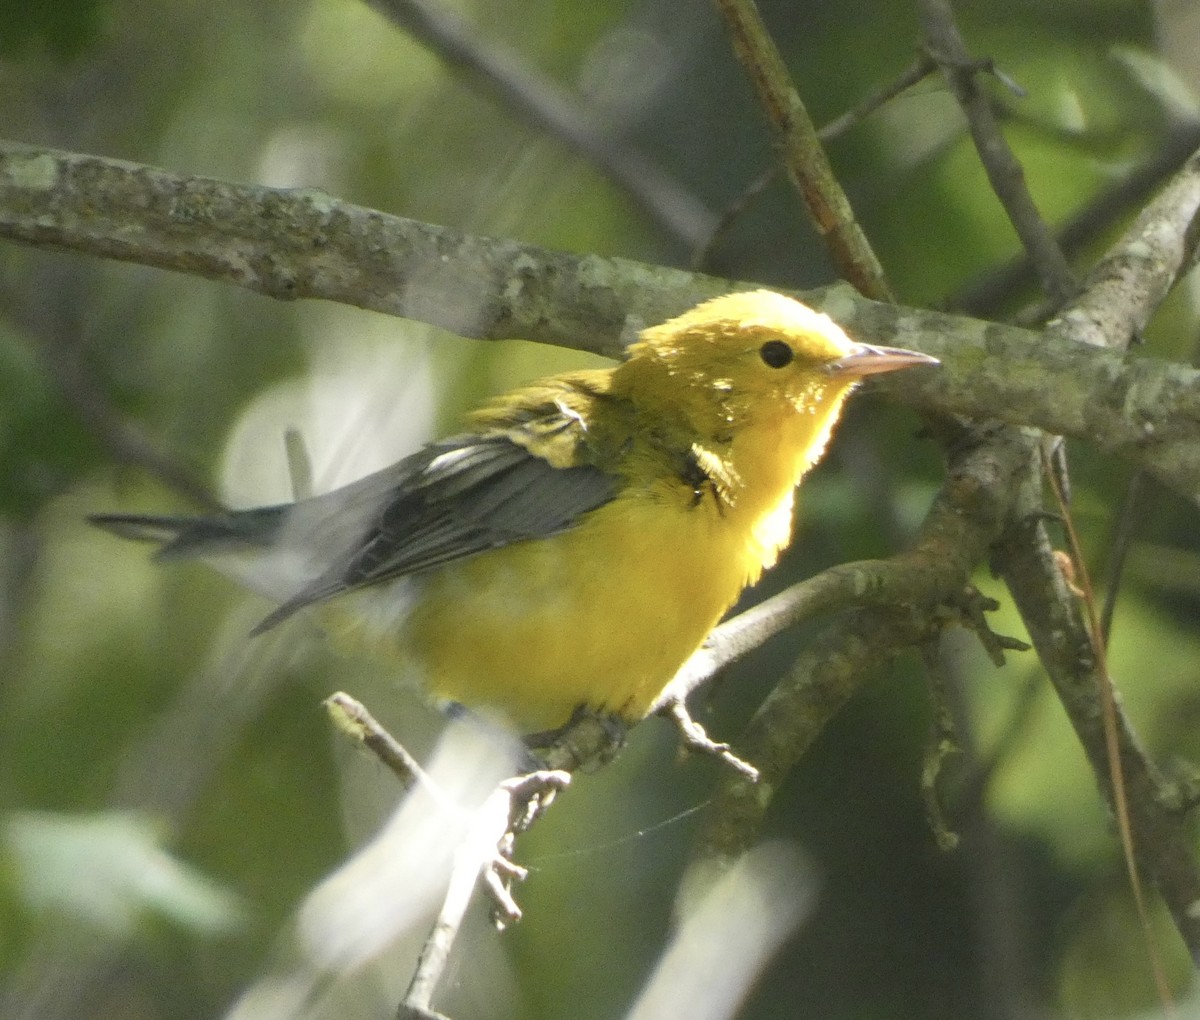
868, 360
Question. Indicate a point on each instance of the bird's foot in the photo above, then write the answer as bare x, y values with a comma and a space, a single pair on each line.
696, 738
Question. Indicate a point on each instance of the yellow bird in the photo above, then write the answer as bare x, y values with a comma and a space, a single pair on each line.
580, 538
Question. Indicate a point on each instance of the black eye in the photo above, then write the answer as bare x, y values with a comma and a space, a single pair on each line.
776, 354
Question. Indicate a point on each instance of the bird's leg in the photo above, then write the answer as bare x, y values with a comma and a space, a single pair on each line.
968, 609
588, 740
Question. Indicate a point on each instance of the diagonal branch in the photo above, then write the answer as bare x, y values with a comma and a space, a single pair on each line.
548, 107
944, 43
916, 72
1109, 206
1161, 830
802, 152
1125, 288
902, 579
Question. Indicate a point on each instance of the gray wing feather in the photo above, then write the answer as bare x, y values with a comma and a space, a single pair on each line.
453, 499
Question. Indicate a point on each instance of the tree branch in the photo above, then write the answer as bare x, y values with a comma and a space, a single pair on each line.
1144, 410
1119, 296
904, 578
944, 43
1161, 830
290, 244
968, 515
1109, 206
293, 244
1125, 288
802, 152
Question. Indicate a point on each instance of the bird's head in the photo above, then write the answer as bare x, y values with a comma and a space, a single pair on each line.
756, 353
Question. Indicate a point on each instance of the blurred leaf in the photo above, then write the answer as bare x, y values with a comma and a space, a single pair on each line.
1161, 80
108, 871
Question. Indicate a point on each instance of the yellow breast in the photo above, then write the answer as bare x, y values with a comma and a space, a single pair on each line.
602, 615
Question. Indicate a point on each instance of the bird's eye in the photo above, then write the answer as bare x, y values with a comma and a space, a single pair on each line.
776, 354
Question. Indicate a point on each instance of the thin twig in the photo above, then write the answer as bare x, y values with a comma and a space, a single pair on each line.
696, 739
1127, 522
941, 745
484, 855
548, 107
802, 152
910, 76
917, 71
489, 828
983, 296
299, 463
945, 44
351, 717
703, 254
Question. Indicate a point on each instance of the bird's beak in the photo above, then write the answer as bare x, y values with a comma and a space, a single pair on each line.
867, 360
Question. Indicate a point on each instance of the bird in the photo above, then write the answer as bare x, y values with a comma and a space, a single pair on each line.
578, 539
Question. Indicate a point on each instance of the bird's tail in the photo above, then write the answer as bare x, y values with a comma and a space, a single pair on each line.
180, 537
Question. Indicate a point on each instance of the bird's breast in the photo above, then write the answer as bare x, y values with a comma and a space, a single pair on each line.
601, 615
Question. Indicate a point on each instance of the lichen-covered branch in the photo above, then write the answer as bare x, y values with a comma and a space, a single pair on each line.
1125, 288
294, 244
1141, 409
903, 578
1161, 830
307, 244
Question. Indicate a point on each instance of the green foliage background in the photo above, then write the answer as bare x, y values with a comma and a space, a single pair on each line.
167, 794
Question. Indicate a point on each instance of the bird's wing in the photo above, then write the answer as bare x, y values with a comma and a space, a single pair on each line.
474, 494
453, 499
